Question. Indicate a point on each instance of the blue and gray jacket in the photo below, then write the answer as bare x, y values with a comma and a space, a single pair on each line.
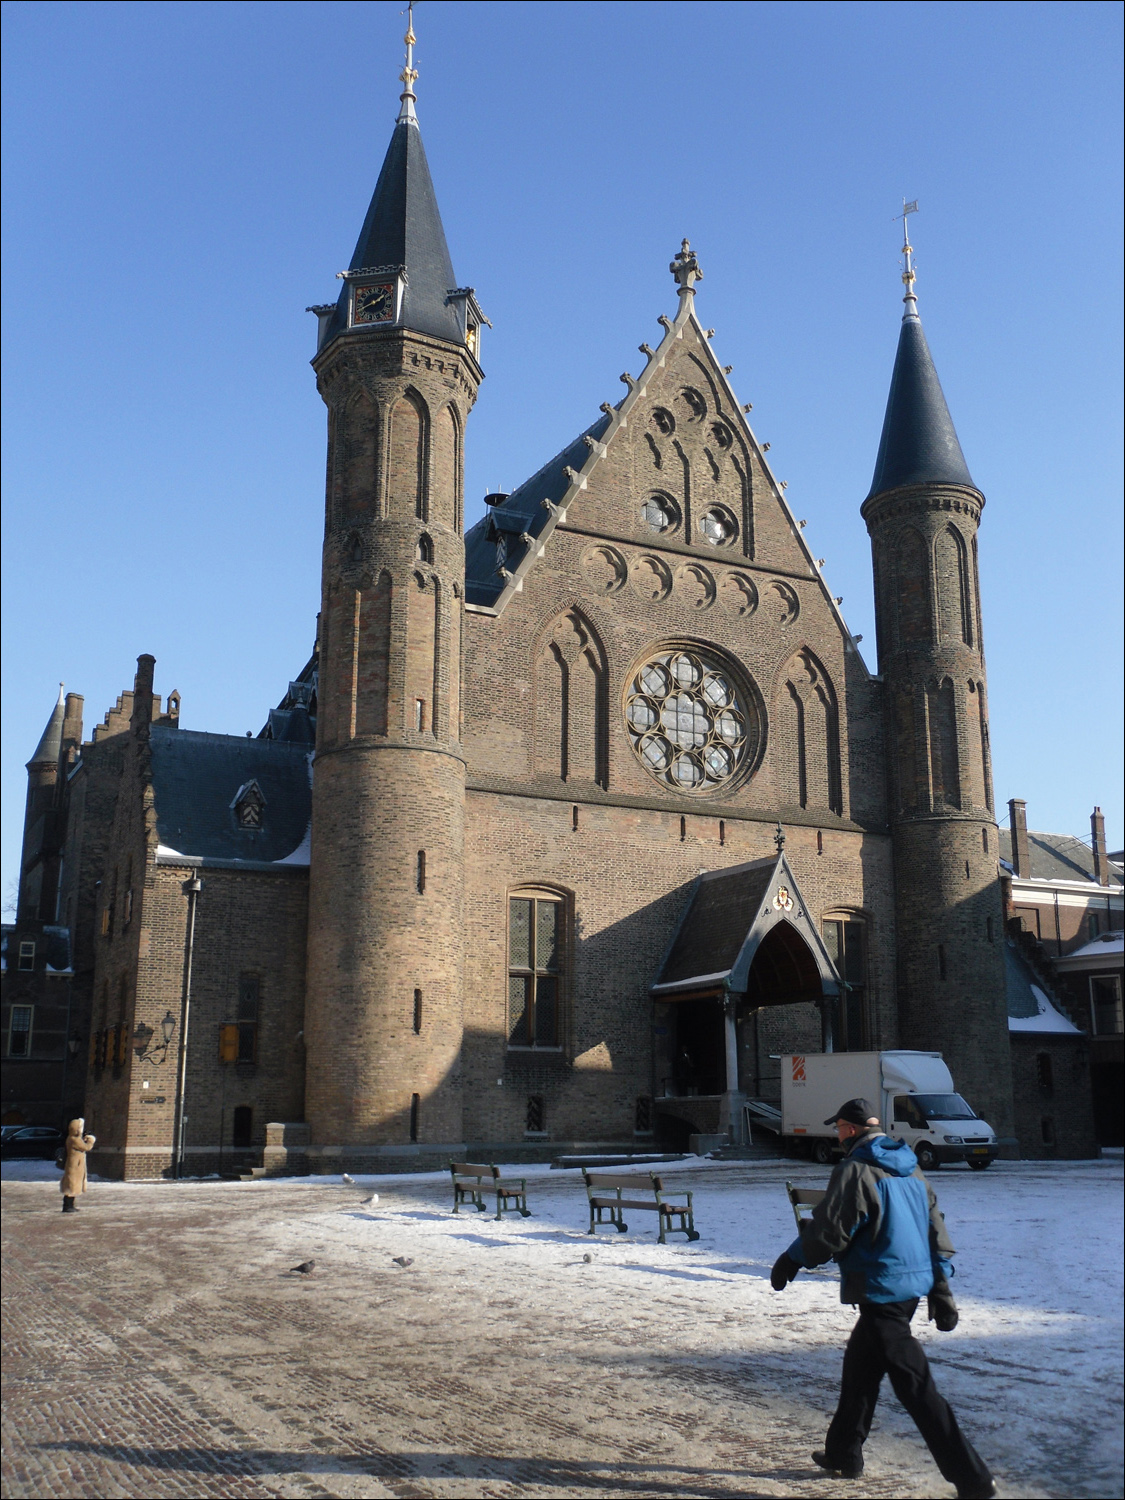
880, 1222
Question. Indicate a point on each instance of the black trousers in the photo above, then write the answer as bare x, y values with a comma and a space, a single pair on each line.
882, 1344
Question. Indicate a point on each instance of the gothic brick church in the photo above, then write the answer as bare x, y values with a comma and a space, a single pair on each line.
572, 822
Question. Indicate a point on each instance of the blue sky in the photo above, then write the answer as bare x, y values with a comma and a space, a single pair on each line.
182, 180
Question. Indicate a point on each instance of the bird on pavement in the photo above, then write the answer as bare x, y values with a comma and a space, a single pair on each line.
305, 1267
403, 1261
348, 1181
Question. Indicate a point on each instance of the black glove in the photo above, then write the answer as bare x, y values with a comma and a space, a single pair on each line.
783, 1272
942, 1308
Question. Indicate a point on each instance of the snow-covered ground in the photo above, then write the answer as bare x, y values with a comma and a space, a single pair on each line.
1034, 1370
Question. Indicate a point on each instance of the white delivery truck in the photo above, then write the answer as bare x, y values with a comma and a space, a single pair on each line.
912, 1091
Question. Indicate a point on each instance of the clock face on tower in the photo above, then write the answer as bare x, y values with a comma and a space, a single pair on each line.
374, 302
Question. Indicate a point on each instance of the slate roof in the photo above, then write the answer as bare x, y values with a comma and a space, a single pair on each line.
403, 228
49, 747
1057, 856
919, 444
716, 922
294, 718
197, 776
1030, 1007
494, 542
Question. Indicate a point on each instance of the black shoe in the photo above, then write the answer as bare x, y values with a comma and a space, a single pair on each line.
984, 1491
850, 1470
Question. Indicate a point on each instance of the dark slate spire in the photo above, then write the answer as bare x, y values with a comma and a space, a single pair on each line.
49, 748
403, 228
919, 443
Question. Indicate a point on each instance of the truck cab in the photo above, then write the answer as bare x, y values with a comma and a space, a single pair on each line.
942, 1127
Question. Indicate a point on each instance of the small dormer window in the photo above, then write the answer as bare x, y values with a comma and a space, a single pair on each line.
249, 806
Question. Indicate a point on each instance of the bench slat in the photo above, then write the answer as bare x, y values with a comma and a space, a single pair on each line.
642, 1184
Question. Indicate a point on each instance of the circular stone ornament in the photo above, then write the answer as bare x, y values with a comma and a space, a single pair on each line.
690, 725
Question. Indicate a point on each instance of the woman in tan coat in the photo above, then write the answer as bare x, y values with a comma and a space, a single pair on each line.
74, 1173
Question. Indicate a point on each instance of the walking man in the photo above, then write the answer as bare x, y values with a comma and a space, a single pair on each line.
879, 1221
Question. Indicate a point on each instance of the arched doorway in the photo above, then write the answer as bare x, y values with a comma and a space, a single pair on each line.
747, 976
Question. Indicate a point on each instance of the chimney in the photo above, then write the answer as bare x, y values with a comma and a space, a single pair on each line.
142, 690
1021, 855
72, 727
1097, 830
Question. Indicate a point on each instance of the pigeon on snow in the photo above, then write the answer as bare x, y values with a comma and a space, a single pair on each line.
403, 1261
349, 1181
305, 1267
373, 1199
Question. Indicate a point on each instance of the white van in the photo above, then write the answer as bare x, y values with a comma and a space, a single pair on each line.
913, 1092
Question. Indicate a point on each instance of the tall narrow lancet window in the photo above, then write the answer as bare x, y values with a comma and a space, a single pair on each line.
407, 478
536, 951
945, 778
954, 592
810, 765
913, 577
570, 702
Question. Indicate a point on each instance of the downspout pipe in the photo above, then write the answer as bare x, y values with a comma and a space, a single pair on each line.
192, 889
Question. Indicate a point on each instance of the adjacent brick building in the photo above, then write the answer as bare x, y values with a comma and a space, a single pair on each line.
434, 905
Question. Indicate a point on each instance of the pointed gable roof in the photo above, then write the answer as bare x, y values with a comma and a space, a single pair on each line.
403, 228
730, 913
919, 443
49, 748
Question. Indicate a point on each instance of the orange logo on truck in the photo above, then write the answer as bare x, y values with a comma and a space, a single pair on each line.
798, 1070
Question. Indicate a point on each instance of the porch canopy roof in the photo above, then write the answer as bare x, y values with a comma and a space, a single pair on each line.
734, 916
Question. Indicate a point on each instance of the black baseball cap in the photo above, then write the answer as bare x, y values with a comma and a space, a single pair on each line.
855, 1112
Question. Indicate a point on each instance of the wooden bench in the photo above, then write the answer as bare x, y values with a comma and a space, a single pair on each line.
611, 1194
803, 1198
471, 1180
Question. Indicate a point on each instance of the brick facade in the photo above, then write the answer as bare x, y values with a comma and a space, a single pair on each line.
630, 674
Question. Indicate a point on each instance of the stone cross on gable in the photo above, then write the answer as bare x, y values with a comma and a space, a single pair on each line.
685, 268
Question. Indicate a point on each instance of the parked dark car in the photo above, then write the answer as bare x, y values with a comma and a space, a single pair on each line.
32, 1141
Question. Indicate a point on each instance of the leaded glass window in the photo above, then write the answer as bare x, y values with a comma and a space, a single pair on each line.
844, 938
686, 721
718, 527
659, 513
535, 963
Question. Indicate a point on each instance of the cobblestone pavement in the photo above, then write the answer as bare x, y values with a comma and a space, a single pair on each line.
157, 1344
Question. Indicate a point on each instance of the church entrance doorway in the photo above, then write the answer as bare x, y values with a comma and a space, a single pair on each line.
747, 975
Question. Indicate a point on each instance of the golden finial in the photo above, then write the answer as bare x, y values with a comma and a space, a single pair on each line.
908, 273
409, 74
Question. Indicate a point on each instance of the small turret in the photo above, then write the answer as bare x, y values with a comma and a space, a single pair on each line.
922, 513
38, 860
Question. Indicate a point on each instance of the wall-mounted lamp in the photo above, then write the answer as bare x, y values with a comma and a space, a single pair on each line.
148, 1049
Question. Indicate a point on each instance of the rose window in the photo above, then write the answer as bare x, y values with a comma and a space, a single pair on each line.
686, 722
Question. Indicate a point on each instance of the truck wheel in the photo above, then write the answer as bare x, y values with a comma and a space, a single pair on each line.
926, 1158
822, 1152
979, 1166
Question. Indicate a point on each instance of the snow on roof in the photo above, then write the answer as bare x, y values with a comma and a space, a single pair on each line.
1048, 1018
1101, 947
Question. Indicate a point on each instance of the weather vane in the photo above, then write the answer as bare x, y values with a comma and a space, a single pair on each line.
907, 248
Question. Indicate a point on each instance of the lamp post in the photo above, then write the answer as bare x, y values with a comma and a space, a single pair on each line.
192, 889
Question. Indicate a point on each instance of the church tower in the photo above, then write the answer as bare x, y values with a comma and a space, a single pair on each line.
922, 514
397, 367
